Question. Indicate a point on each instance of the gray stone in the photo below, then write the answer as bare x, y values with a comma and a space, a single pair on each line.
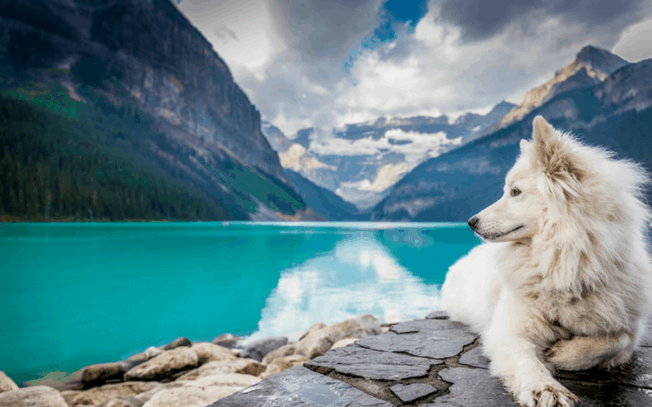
165, 365
258, 349
426, 325
472, 387
371, 364
98, 374
437, 315
35, 396
636, 372
435, 339
411, 392
475, 358
123, 402
609, 394
182, 341
647, 336
300, 387
229, 341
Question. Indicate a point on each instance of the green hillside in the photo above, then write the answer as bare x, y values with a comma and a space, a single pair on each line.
61, 159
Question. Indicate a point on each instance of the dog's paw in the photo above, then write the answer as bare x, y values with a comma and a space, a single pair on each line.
550, 395
567, 355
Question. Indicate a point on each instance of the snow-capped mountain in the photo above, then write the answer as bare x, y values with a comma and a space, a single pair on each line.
615, 112
361, 161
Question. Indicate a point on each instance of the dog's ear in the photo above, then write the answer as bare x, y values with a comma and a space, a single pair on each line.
548, 147
524, 145
556, 158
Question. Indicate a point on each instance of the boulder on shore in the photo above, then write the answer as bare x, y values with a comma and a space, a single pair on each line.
165, 365
258, 349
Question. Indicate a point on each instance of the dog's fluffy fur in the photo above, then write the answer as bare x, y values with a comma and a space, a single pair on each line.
565, 280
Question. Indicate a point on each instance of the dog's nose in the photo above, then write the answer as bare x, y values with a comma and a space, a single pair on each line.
473, 221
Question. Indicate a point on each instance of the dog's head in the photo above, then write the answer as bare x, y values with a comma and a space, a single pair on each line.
547, 169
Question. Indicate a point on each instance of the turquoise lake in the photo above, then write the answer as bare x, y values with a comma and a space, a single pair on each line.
74, 294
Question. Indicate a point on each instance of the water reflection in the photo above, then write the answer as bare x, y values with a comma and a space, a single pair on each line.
360, 275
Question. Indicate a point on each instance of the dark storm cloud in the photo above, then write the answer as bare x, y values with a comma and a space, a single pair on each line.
324, 28
482, 19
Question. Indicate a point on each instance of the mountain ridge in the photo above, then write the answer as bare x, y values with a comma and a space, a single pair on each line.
614, 113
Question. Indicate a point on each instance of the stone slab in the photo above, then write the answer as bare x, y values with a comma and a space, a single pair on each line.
636, 372
373, 364
426, 325
300, 387
437, 315
475, 358
472, 387
435, 339
411, 392
609, 394
646, 339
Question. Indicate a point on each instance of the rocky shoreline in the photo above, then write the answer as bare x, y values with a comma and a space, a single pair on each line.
187, 374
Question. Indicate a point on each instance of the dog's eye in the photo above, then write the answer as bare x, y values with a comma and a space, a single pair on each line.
515, 192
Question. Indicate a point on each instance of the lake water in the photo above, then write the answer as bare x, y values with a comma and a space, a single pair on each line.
74, 294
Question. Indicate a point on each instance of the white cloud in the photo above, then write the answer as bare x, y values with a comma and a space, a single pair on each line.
290, 61
635, 43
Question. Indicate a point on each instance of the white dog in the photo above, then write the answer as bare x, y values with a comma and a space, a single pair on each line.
565, 280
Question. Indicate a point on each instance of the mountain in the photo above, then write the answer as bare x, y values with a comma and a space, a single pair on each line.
591, 65
324, 202
361, 161
615, 113
163, 101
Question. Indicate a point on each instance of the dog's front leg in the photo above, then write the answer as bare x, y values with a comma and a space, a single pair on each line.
514, 357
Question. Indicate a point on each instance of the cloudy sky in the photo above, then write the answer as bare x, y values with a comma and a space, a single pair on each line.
322, 63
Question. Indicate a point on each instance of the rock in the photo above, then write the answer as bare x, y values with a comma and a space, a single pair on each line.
371, 364
96, 375
472, 387
146, 396
208, 352
99, 395
314, 327
242, 366
437, 315
283, 351
411, 392
200, 392
475, 358
69, 395
343, 343
152, 352
299, 387
208, 369
258, 349
318, 341
283, 363
6, 384
164, 365
123, 402
228, 341
35, 396
182, 341
432, 338
138, 358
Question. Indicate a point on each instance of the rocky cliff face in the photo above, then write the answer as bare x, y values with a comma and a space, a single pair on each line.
591, 65
615, 113
141, 54
148, 48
